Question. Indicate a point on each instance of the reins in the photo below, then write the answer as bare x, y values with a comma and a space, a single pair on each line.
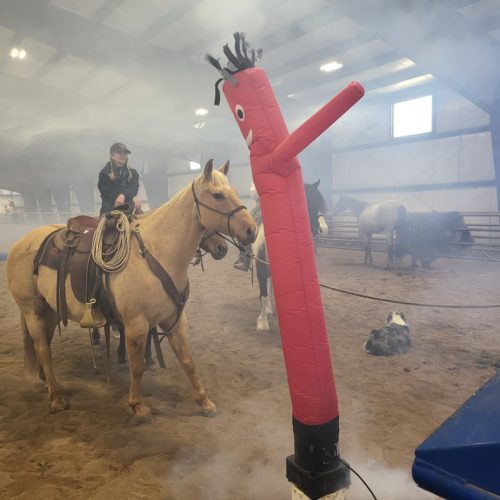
231, 241
198, 258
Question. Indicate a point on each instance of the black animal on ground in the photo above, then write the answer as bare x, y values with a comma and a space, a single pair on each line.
393, 339
430, 235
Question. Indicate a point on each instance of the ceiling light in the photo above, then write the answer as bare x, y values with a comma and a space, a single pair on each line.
194, 165
290, 95
201, 112
331, 66
16, 53
199, 125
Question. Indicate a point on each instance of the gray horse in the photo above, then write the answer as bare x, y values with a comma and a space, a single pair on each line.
387, 217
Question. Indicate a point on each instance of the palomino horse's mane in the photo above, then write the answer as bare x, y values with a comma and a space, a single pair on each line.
217, 179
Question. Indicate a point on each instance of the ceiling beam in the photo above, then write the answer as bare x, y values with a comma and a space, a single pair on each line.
321, 55
416, 28
319, 78
94, 42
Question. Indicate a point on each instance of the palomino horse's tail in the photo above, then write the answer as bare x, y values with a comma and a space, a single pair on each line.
30, 360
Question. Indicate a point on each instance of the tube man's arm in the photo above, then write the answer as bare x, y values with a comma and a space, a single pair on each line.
311, 129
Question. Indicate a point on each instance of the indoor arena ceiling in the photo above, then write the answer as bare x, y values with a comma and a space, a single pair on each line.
97, 71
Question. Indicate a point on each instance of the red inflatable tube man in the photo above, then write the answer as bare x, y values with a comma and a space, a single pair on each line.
278, 180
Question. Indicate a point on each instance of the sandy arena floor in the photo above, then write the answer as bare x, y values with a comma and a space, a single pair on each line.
388, 405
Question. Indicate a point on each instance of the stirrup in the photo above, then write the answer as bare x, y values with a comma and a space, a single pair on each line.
92, 320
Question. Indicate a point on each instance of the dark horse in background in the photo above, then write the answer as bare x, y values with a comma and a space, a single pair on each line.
316, 207
389, 217
430, 235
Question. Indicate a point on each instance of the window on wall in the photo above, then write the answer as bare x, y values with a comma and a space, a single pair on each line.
412, 117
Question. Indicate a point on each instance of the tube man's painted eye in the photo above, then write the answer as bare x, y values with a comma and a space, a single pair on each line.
239, 112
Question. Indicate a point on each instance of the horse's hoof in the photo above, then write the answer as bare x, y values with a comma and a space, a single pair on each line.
59, 404
209, 409
263, 325
142, 414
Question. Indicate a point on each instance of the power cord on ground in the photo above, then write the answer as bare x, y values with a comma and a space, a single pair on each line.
403, 302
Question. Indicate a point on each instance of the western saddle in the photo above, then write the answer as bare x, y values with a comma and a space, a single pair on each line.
68, 251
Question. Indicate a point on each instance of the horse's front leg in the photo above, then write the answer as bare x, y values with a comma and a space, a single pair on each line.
179, 341
366, 238
269, 306
148, 355
389, 236
264, 278
136, 333
262, 320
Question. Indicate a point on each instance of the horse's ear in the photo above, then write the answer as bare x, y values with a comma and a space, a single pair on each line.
209, 167
224, 168
316, 184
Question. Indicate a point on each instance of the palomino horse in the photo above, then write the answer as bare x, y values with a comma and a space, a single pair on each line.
388, 217
171, 234
316, 206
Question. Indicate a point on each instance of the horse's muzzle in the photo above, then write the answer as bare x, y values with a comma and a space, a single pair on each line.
249, 236
221, 252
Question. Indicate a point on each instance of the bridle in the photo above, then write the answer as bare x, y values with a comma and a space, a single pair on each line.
200, 252
226, 214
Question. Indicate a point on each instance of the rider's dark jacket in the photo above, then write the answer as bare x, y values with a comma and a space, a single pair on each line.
114, 181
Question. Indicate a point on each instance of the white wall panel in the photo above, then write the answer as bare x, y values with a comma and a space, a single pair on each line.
476, 158
464, 200
453, 159
363, 124
455, 112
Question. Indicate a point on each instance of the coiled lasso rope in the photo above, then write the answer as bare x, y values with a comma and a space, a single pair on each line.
119, 251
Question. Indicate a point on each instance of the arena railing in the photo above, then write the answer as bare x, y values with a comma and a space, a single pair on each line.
484, 228
35, 218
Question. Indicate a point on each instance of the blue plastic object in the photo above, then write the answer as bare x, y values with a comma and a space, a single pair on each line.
461, 459
3, 256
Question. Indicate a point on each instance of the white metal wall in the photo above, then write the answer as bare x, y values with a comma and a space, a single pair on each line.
456, 159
